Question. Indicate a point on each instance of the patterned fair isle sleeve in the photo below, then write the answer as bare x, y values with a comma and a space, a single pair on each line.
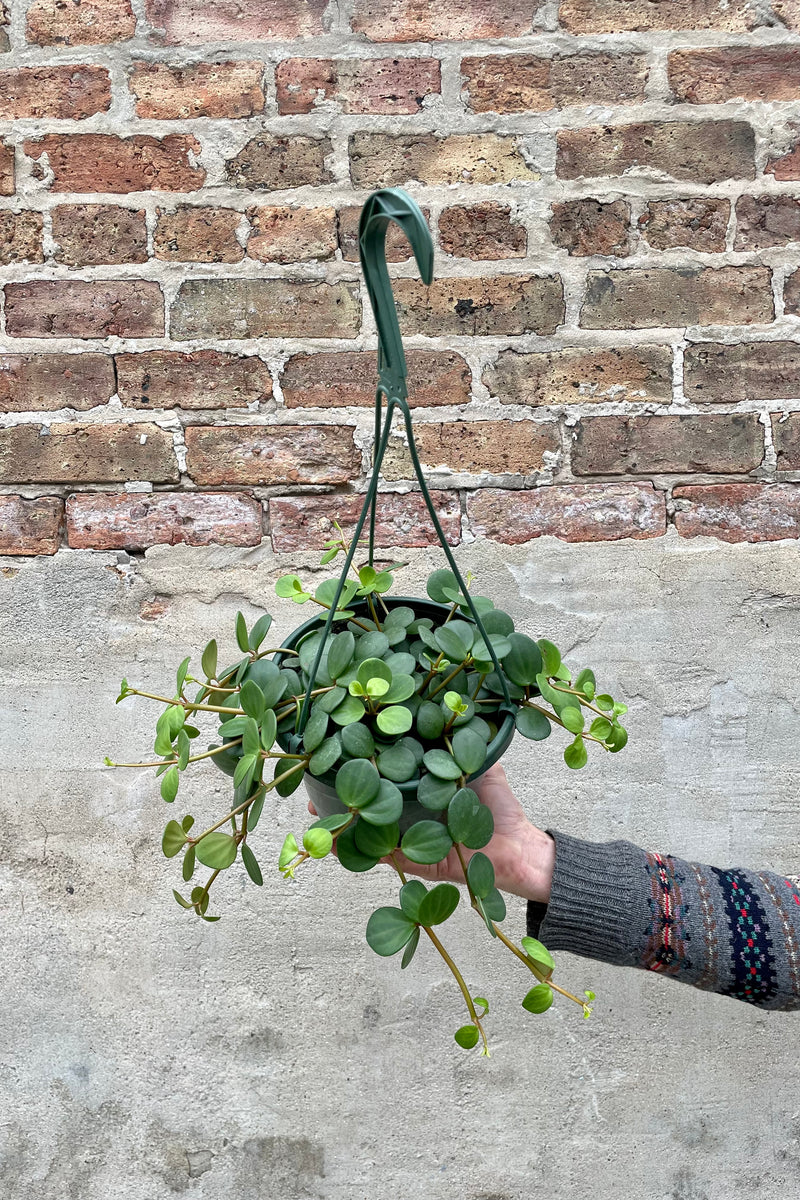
736, 932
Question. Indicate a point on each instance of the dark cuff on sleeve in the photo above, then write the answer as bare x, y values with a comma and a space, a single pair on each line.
593, 890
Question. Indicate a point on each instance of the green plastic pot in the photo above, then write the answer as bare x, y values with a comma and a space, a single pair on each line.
320, 788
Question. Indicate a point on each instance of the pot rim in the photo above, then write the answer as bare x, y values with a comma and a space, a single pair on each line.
496, 747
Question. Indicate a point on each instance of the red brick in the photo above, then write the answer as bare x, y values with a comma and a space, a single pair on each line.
20, 237
268, 161
91, 234
102, 162
484, 306
99, 521
722, 374
739, 512
586, 227
30, 526
76, 92
190, 22
202, 379
438, 20
766, 221
192, 233
482, 231
615, 16
735, 72
86, 454
786, 439
6, 170
699, 151
526, 83
272, 454
342, 380
79, 22
32, 382
787, 166
397, 246
791, 294
216, 89
348, 379
498, 447
672, 297
642, 445
382, 160
251, 308
74, 308
287, 235
577, 376
581, 512
306, 522
372, 85
697, 223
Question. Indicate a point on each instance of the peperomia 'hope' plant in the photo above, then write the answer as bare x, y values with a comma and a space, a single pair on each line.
388, 708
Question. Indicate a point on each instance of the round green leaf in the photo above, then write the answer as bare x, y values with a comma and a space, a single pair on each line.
331, 699
388, 930
469, 750
411, 896
350, 856
340, 654
377, 841
480, 874
524, 660
572, 718
498, 621
251, 699
435, 794
216, 850
386, 807
372, 645
315, 730
532, 724
174, 839
357, 741
430, 721
575, 755
467, 1036
401, 688
468, 820
551, 656
259, 631
318, 842
501, 646
351, 709
439, 904
397, 763
600, 728
251, 865
411, 743
241, 632
401, 663
539, 953
326, 755
291, 783
269, 728
286, 587
357, 782
427, 842
494, 906
438, 580
169, 785
394, 720
538, 999
442, 765
411, 946
188, 864
400, 617
617, 738
209, 660
449, 642
373, 668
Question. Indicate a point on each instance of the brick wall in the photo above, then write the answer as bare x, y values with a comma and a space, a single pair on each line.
611, 343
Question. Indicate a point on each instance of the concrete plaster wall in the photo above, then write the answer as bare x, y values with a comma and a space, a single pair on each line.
146, 1054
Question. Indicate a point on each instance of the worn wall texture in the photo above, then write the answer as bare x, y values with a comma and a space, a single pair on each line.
609, 345
609, 356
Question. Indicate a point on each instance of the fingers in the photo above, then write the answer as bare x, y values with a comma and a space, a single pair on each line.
311, 809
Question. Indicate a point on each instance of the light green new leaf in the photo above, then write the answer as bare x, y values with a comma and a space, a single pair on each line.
537, 951
538, 999
169, 785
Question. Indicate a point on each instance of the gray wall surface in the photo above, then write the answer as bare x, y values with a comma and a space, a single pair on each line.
146, 1054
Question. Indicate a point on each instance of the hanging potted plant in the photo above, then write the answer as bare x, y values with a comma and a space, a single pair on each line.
389, 708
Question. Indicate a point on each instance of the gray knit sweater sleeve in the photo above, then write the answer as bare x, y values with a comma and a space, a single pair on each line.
736, 932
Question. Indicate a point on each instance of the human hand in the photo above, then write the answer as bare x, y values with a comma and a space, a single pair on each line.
523, 856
